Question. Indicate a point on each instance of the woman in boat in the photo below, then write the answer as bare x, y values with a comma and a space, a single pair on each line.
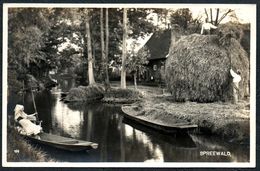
26, 121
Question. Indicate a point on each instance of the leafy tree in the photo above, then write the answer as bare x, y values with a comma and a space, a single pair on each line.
182, 17
69, 57
34, 38
139, 25
26, 37
36, 43
136, 62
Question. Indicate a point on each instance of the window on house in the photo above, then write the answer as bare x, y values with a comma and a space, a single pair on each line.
154, 67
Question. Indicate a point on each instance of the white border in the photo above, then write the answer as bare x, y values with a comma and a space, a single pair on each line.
4, 85
252, 162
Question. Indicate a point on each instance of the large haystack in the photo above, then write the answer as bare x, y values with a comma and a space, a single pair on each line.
197, 68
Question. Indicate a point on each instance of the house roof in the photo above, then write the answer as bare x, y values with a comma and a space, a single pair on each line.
159, 44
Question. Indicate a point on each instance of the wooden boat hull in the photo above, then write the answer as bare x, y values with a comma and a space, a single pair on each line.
60, 142
178, 139
172, 128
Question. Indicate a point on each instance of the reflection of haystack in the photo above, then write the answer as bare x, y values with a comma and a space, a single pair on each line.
197, 68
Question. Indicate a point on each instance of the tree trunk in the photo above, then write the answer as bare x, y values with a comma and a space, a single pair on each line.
123, 70
217, 14
207, 16
102, 44
211, 16
106, 57
135, 82
90, 58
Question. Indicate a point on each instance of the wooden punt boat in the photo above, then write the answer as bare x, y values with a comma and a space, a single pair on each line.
164, 127
60, 142
178, 139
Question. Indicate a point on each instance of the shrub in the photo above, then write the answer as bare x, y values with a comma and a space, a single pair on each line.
119, 95
85, 93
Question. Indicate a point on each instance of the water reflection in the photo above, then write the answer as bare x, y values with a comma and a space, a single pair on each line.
66, 121
153, 151
119, 140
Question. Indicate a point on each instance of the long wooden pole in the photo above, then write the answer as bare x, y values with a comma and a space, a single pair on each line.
34, 105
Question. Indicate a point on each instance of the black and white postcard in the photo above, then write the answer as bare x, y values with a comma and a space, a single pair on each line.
129, 85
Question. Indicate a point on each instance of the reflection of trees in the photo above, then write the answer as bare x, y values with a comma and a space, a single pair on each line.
139, 146
95, 127
172, 147
89, 123
103, 146
97, 107
76, 106
103, 127
45, 102
122, 139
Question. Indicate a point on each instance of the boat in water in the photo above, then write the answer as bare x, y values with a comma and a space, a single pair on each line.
134, 115
60, 142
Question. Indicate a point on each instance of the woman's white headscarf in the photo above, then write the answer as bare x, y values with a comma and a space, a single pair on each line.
17, 110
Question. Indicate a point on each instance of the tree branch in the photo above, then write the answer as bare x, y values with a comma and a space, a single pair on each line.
224, 15
206, 13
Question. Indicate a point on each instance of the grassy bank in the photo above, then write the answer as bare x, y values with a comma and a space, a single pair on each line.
20, 150
121, 96
226, 120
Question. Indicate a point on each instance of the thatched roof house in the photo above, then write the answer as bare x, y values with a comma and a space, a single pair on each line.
158, 46
197, 68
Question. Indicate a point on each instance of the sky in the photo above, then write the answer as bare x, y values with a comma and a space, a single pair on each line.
244, 14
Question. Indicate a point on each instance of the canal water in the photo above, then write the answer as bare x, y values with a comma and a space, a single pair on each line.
119, 140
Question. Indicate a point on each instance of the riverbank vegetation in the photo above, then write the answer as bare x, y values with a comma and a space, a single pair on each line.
20, 150
224, 119
122, 96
